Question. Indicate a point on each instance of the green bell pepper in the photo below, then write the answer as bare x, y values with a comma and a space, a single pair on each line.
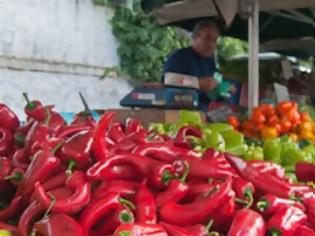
213, 139
219, 127
232, 138
272, 150
311, 150
296, 155
237, 150
253, 153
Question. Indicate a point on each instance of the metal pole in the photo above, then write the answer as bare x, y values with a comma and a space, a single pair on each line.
253, 61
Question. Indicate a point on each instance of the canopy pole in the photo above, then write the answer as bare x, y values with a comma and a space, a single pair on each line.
253, 61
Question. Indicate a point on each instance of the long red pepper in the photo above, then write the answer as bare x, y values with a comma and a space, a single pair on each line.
158, 173
14, 208
145, 206
183, 133
111, 222
126, 189
140, 230
270, 204
197, 211
309, 204
176, 190
43, 165
97, 209
268, 168
8, 118
10, 228
37, 133
76, 150
244, 190
195, 230
20, 159
56, 122
58, 225
264, 182
247, 222
35, 109
132, 125
99, 144
116, 133
69, 130
6, 139
285, 221
197, 189
81, 195
55, 181
304, 230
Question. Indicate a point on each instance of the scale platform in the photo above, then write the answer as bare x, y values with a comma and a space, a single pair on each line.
163, 97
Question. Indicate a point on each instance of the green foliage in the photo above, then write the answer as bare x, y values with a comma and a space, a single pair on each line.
228, 47
143, 44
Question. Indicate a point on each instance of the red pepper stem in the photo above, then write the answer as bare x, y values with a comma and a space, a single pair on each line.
262, 205
52, 203
17, 176
186, 172
127, 203
30, 105
126, 216
71, 165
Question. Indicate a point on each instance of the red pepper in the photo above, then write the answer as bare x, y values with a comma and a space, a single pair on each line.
35, 211
197, 189
195, 230
264, 182
158, 173
116, 132
244, 190
20, 159
6, 140
8, 118
55, 122
129, 142
305, 171
37, 133
110, 223
10, 228
268, 168
99, 143
140, 230
210, 154
15, 176
309, 204
146, 208
83, 119
304, 230
176, 190
183, 133
97, 209
12, 210
132, 125
270, 204
216, 168
76, 150
161, 152
43, 165
5, 169
35, 109
56, 181
124, 188
23, 130
285, 221
247, 222
197, 211
80, 198
122, 172
58, 225
69, 130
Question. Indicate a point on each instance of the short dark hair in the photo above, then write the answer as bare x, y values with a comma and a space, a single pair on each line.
203, 25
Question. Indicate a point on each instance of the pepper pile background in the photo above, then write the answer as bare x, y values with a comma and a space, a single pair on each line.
105, 178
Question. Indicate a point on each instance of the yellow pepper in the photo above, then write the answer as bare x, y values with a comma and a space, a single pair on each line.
306, 127
306, 135
268, 132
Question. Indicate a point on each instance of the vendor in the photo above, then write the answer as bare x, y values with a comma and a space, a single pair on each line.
197, 60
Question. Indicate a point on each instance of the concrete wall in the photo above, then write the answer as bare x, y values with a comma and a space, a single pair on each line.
54, 48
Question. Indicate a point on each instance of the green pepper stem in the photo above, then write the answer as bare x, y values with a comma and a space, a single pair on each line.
241, 201
167, 176
213, 234
127, 203
125, 233
52, 203
209, 225
249, 196
48, 116
126, 216
19, 139
56, 148
262, 205
274, 232
186, 172
30, 105
71, 166
17, 176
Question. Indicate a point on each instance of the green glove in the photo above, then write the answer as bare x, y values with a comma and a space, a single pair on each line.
272, 150
253, 153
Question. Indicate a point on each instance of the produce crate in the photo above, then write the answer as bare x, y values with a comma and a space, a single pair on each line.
148, 116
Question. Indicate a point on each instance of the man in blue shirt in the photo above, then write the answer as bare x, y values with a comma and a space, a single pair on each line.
197, 60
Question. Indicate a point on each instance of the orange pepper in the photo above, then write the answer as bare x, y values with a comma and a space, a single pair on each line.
285, 126
233, 121
284, 107
257, 117
272, 120
306, 126
268, 132
294, 137
306, 135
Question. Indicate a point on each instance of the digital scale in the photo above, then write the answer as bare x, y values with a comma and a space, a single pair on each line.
163, 97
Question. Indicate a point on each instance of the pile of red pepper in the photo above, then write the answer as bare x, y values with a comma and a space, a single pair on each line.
106, 178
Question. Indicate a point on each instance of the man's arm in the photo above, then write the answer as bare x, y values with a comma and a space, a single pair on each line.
206, 84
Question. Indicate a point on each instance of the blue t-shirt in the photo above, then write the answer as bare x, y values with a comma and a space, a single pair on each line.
186, 61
